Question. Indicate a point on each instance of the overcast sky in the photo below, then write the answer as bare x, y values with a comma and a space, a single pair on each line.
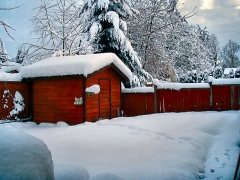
221, 17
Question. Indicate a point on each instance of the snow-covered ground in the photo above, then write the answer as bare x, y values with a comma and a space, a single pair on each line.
194, 145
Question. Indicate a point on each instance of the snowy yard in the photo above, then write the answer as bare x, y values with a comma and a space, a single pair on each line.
194, 145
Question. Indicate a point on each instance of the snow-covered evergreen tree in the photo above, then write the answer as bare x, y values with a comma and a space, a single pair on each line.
3, 53
106, 29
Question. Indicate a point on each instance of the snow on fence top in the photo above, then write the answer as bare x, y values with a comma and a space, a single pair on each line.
178, 86
139, 90
233, 81
74, 65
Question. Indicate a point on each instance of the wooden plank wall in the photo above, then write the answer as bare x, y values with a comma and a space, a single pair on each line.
54, 100
184, 100
134, 104
223, 98
92, 102
226, 97
24, 90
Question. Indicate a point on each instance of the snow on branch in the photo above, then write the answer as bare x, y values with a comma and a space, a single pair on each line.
1, 8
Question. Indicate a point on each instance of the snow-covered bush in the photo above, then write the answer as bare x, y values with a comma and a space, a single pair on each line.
18, 104
194, 77
237, 73
5, 97
217, 73
231, 73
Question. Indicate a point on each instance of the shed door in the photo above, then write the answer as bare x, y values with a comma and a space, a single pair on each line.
105, 99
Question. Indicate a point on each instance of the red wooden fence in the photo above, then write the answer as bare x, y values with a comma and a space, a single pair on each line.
183, 100
134, 104
202, 97
226, 97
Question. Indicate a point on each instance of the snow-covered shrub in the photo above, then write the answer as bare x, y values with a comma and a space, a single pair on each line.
217, 73
18, 106
231, 73
194, 77
237, 73
5, 97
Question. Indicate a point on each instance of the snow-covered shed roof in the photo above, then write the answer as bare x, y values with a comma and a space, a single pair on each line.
74, 65
5, 71
4, 76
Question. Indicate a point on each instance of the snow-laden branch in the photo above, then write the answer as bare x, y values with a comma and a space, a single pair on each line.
1, 8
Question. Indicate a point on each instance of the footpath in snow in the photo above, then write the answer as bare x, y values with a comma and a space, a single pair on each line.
194, 145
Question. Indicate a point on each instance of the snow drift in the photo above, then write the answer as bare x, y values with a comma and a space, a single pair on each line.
23, 156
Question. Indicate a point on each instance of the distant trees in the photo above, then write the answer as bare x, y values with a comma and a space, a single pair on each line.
168, 46
58, 29
147, 32
229, 58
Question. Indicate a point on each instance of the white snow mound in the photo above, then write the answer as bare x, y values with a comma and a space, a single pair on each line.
105, 176
23, 156
70, 172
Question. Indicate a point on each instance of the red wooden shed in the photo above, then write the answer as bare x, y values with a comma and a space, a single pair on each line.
59, 87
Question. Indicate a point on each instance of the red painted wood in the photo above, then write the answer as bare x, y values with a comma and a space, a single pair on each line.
134, 104
237, 97
221, 98
183, 100
105, 99
93, 102
54, 100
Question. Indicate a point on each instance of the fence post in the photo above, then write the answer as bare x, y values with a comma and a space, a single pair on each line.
237, 167
155, 99
211, 96
238, 95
